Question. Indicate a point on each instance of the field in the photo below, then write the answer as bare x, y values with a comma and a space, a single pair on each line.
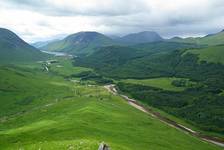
164, 83
44, 110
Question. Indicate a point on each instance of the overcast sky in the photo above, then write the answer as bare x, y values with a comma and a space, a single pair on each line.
38, 20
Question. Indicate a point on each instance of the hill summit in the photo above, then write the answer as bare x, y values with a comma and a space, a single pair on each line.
80, 43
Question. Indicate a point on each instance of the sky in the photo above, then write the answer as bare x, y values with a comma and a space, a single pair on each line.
39, 20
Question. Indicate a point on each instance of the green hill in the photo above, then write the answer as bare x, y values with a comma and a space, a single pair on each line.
81, 43
214, 54
211, 40
13, 49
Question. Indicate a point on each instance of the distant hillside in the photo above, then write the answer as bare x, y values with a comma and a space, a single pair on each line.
81, 43
14, 49
211, 39
42, 43
141, 37
214, 54
126, 62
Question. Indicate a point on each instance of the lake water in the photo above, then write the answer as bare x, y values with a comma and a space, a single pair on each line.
56, 53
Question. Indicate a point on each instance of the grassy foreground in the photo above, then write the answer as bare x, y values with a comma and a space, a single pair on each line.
42, 110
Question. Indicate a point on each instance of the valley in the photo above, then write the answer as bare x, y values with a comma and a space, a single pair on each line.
88, 89
59, 114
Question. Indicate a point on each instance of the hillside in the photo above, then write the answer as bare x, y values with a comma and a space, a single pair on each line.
141, 37
42, 43
114, 61
198, 98
214, 54
81, 43
44, 111
211, 39
14, 49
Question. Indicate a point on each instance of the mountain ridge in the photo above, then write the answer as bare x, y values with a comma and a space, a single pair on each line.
14, 49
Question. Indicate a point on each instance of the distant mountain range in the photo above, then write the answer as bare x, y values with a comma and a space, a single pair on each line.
83, 43
86, 43
14, 49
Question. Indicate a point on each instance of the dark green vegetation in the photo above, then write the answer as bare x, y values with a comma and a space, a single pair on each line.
81, 43
47, 110
211, 40
200, 104
202, 108
131, 62
14, 50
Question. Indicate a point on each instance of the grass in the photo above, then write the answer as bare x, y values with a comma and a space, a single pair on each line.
164, 83
64, 67
41, 110
213, 54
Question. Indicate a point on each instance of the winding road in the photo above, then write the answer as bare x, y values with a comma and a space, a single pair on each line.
214, 140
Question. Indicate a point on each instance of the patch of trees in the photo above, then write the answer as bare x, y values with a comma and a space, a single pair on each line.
200, 107
90, 75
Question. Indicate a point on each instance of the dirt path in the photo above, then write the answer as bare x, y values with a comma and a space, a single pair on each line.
215, 140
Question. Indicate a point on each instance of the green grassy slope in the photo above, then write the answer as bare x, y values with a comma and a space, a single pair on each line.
81, 43
214, 54
13, 49
41, 110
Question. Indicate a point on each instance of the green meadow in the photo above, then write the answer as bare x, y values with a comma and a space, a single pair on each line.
164, 83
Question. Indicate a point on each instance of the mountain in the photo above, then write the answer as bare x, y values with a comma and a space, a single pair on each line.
42, 43
210, 40
14, 49
81, 43
141, 37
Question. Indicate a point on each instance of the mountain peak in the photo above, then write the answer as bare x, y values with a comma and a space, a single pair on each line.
81, 43
141, 37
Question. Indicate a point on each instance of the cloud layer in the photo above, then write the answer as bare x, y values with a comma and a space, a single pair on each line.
36, 20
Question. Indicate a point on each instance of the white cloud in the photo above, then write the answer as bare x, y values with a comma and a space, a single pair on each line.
44, 19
